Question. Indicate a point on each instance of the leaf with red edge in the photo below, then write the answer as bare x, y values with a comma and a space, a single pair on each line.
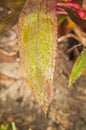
78, 10
76, 19
37, 41
75, 11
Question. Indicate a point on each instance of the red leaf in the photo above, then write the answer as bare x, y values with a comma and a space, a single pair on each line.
74, 10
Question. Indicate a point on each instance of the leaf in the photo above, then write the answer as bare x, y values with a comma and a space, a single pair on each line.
37, 41
79, 67
4, 126
13, 126
74, 10
78, 1
76, 19
61, 19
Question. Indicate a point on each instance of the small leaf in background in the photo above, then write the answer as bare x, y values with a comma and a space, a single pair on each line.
74, 10
13, 126
4, 126
79, 67
61, 18
76, 19
37, 41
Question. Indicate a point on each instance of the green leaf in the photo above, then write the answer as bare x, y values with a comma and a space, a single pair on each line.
79, 67
4, 126
37, 41
61, 19
13, 126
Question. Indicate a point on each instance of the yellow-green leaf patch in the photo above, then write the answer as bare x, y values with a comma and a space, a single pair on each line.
79, 67
37, 41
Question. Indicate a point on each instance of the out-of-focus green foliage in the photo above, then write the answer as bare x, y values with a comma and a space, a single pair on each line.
4, 127
7, 126
79, 68
61, 18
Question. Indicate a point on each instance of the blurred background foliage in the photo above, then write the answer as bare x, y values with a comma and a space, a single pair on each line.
10, 18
